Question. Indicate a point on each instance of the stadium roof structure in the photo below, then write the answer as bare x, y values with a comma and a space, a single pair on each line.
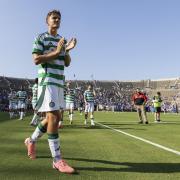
165, 79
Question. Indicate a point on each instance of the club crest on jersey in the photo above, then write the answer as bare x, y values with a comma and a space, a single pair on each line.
50, 44
51, 104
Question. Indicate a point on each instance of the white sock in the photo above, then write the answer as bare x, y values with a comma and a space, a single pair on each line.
35, 117
36, 134
54, 146
22, 114
71, 117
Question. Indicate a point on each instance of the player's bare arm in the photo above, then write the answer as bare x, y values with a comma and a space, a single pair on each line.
70, 45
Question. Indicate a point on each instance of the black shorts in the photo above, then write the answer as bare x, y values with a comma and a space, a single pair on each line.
157, 109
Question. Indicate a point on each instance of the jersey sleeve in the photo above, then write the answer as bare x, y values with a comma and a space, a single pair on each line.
38, 46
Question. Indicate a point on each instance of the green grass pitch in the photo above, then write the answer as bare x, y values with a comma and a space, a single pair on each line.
97, 153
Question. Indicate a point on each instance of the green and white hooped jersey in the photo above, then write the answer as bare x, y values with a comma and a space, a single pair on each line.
89, 96
12, 99
50, 73
35, 93
69, 95
22, 95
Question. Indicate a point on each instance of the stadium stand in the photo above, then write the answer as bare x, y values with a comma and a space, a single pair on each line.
109, 93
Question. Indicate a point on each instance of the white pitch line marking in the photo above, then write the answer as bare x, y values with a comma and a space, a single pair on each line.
142, 139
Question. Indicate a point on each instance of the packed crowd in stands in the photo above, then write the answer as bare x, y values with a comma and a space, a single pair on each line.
8, 84
4, 100
110, 95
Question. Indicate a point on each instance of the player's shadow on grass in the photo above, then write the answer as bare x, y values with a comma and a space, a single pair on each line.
129, 167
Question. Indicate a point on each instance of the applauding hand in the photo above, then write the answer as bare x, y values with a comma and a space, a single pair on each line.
71, 44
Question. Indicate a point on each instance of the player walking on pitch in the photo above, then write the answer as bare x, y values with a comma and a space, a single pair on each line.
69, 99
12, 104
36, 117
51, 54
89, 95
22, 96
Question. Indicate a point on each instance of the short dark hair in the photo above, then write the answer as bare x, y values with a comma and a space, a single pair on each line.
53, 12
158, 93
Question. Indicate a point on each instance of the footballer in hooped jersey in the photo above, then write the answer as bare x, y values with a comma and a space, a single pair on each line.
51, 54
13, 103
22, 99
69, 99
89, 95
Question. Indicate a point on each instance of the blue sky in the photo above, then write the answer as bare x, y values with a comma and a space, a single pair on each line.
117, 39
